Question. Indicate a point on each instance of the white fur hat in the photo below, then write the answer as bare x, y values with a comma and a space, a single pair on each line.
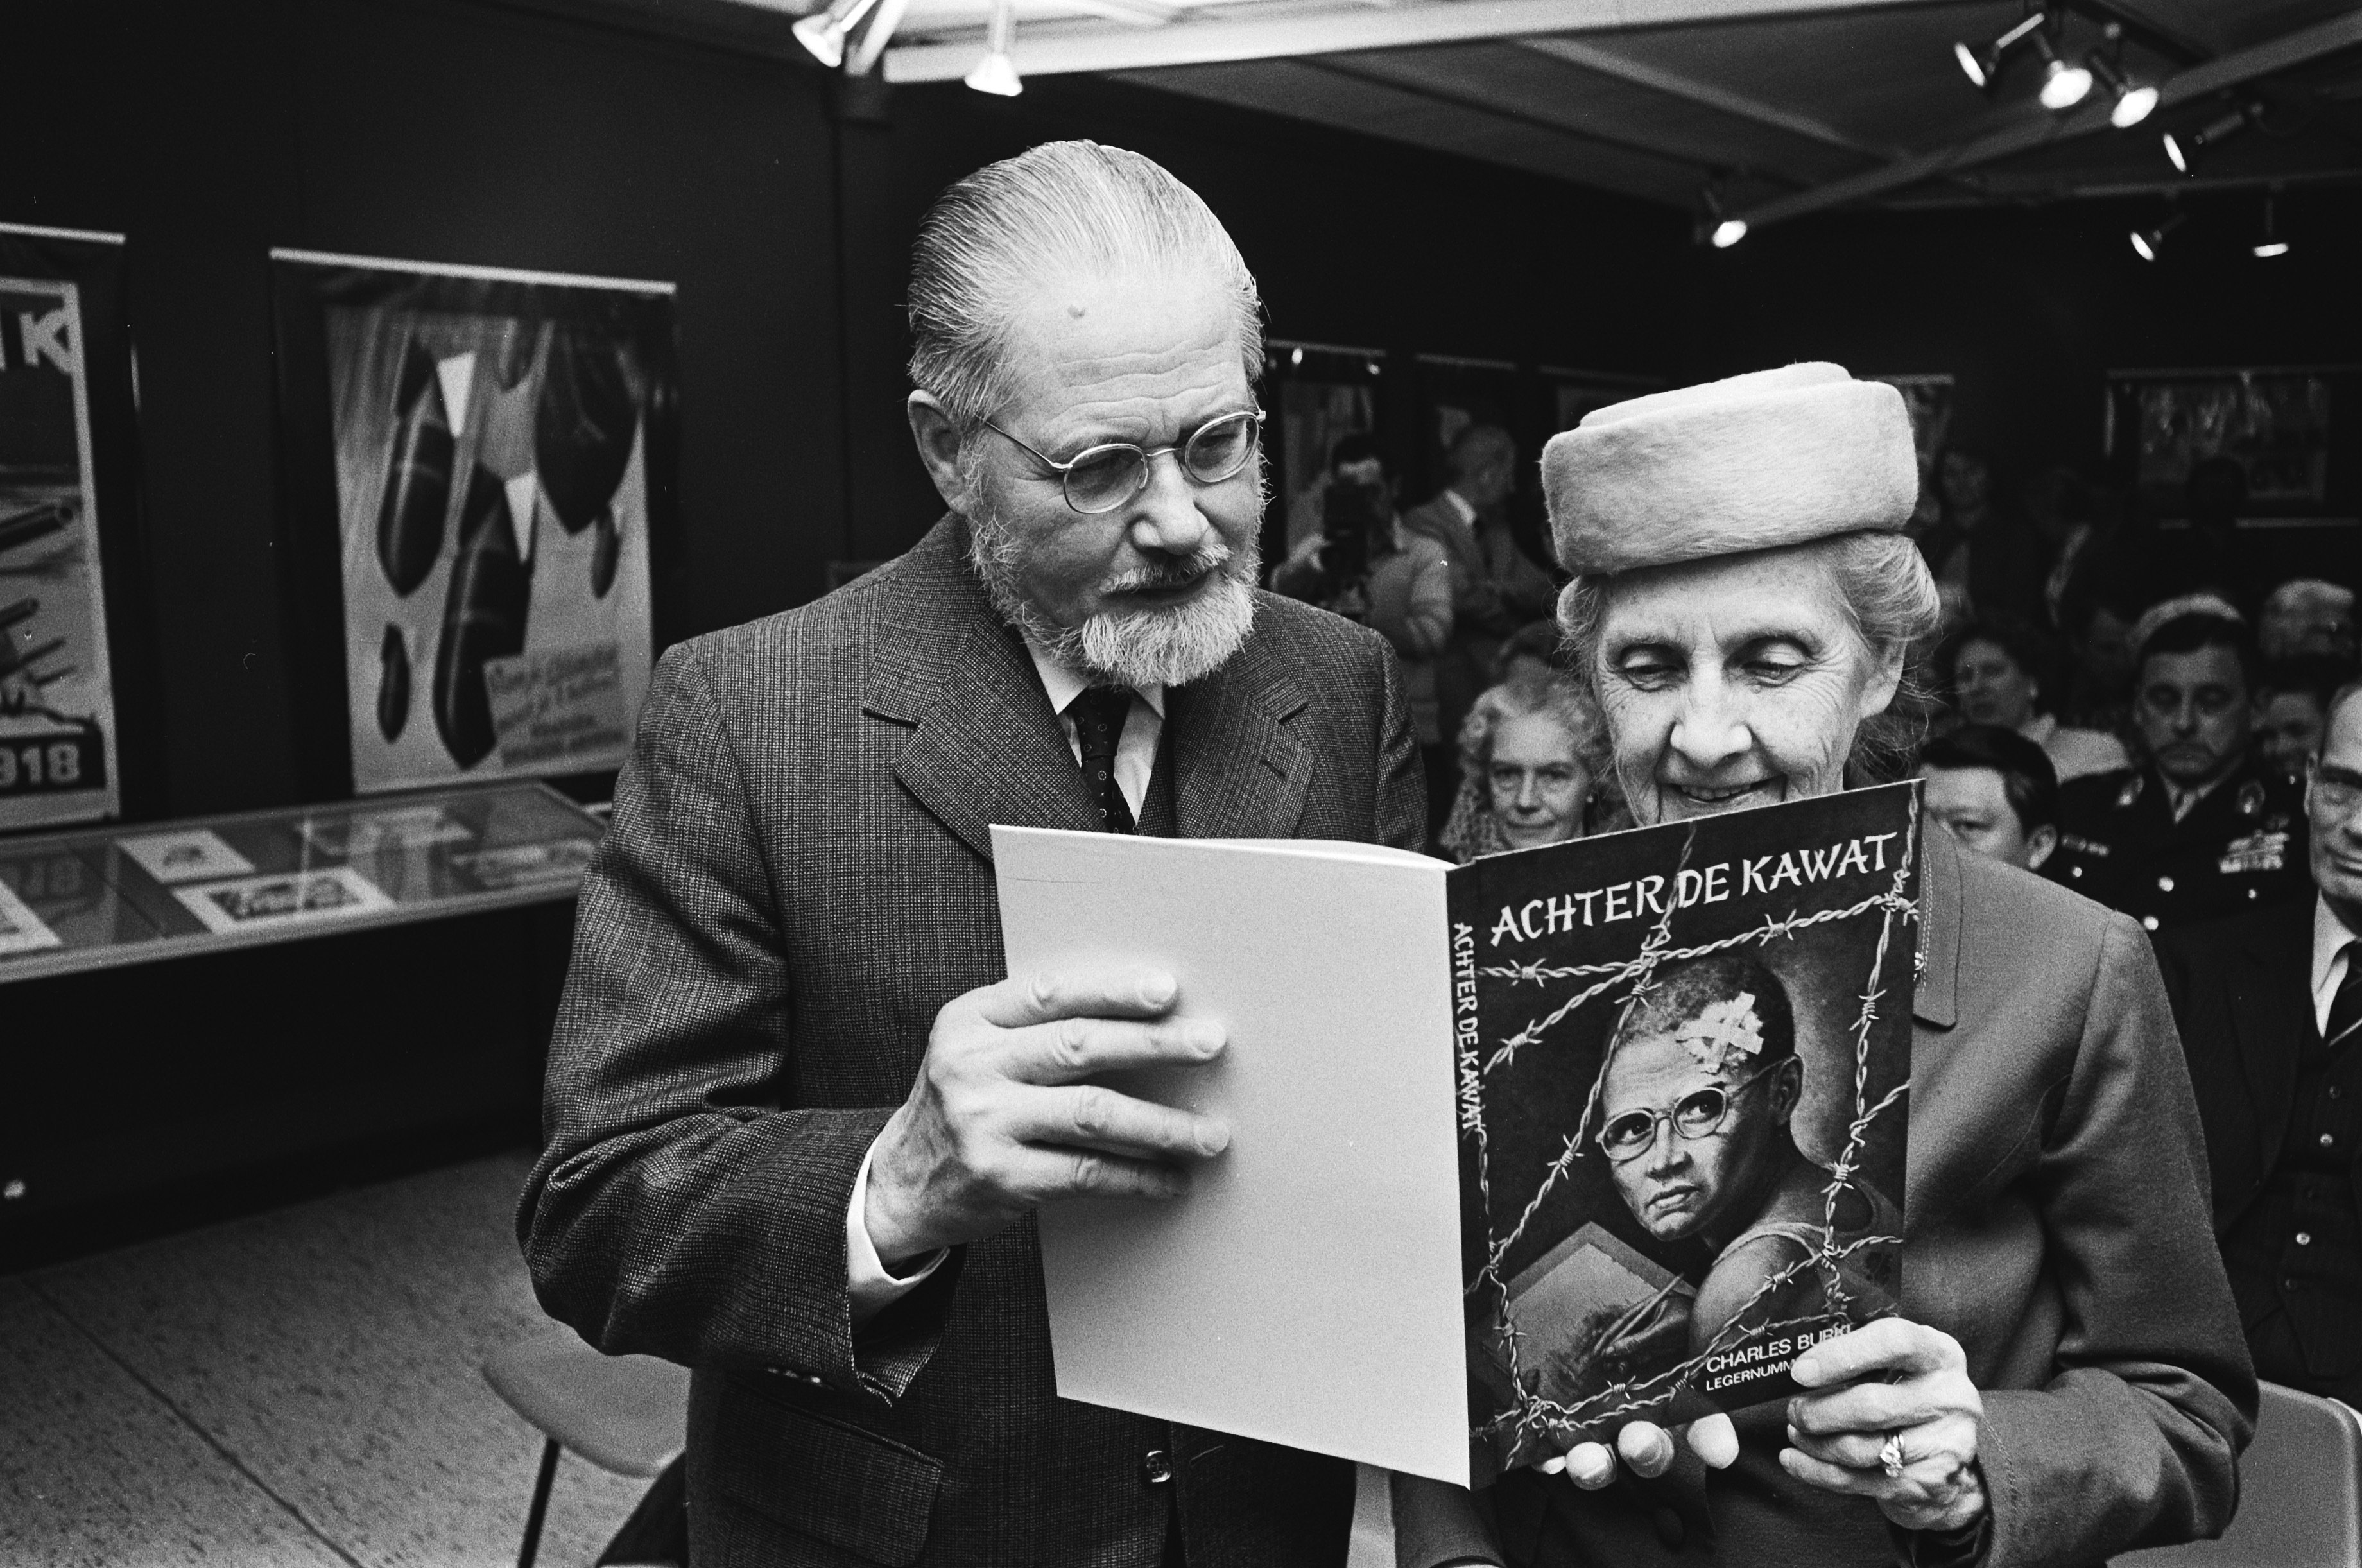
1772, 458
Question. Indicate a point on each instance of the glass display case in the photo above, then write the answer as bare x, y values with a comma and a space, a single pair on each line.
94, 899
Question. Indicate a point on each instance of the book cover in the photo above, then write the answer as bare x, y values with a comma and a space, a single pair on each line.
1682, 1067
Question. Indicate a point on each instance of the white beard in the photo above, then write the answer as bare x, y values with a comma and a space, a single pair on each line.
1142, 648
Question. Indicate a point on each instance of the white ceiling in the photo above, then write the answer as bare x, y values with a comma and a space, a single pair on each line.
1784, 106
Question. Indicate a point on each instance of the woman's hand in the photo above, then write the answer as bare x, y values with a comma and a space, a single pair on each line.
1647, 1448
1898, 1383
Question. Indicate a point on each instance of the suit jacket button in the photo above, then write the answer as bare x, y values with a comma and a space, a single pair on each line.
1157, 1467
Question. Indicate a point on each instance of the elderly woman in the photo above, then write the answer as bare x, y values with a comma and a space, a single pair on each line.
2064, 1378
1528, 753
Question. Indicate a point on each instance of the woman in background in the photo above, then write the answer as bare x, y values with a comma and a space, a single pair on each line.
1998, 670
1529, 755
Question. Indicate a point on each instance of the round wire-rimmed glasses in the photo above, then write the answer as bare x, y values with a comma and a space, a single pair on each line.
1693, 1116
1102, 478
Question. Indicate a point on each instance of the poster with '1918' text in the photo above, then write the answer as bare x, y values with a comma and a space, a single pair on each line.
57, 717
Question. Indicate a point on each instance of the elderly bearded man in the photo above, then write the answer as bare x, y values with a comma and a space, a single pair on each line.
797, 1131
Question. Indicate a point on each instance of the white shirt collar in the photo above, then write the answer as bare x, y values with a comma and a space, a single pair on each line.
1460, 507
2329, 939
2039, 728
2184, 800
1065, 685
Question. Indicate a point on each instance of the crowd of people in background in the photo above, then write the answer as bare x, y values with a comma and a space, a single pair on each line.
2147, 716
2149, 677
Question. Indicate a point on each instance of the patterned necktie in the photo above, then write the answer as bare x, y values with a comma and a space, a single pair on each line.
1098, 714
2345, 1005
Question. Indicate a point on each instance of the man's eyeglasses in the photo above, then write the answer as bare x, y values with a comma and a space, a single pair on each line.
1102, 478
1698, 1115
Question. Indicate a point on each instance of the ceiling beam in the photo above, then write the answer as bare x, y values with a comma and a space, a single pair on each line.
1672, 85
2040, 129
1344, 31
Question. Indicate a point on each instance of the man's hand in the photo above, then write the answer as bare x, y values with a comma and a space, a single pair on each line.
998, 1123
1891, 1380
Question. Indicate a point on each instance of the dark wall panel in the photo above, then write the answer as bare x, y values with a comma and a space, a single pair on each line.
1352, 240
507, 138
441, 131
2030, 308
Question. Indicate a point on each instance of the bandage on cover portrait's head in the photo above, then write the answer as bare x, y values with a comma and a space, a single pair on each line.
1695, 1101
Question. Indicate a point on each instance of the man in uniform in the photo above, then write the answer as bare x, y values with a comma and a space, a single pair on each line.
2202, 830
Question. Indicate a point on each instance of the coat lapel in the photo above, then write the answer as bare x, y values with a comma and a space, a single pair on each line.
986, 747
1239, 770
1935, 999
2272, 1013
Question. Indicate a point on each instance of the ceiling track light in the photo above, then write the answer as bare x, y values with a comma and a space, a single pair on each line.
2063, 86
1983, 67
2271, 245
2134, 101
995, 73
1726, 231
823, 32
2182, 151
2148, 242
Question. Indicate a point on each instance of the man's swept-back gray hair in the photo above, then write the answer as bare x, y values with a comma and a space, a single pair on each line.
1063, 206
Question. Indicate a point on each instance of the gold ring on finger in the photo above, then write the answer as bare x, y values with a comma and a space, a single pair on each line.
1890, 1455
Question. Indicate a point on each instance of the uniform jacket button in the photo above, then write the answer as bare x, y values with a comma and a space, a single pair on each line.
2164, 884
1157, 1467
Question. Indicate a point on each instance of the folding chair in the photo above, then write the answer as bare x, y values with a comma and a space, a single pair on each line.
626, 1414
2300, 1494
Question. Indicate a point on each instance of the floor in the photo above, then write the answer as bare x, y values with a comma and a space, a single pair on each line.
298, 1390
295, 1389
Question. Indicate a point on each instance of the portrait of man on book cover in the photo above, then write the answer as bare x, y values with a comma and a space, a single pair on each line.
1686, 1131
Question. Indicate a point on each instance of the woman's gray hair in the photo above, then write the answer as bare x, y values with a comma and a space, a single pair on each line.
1556, 698
1889, 596
1065, 205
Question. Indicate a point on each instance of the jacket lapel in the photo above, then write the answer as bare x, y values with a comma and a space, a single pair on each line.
986, 747
2272, 1014
1935, 999
1239, 770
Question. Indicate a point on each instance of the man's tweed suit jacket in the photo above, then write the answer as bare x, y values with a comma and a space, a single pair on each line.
798, 878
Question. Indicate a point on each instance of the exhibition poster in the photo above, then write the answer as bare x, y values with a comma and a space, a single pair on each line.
58, 746
1520, 1150
2275, 424
497, 465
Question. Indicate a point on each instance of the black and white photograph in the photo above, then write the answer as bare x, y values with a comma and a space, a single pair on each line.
1156, 784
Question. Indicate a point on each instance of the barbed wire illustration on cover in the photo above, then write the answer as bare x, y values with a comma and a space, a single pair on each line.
1533, 1417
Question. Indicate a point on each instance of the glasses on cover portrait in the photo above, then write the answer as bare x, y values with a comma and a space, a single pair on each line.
1102, 478
1693, 1116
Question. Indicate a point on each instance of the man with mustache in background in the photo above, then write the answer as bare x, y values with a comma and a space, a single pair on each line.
2202, 830
798, 1121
